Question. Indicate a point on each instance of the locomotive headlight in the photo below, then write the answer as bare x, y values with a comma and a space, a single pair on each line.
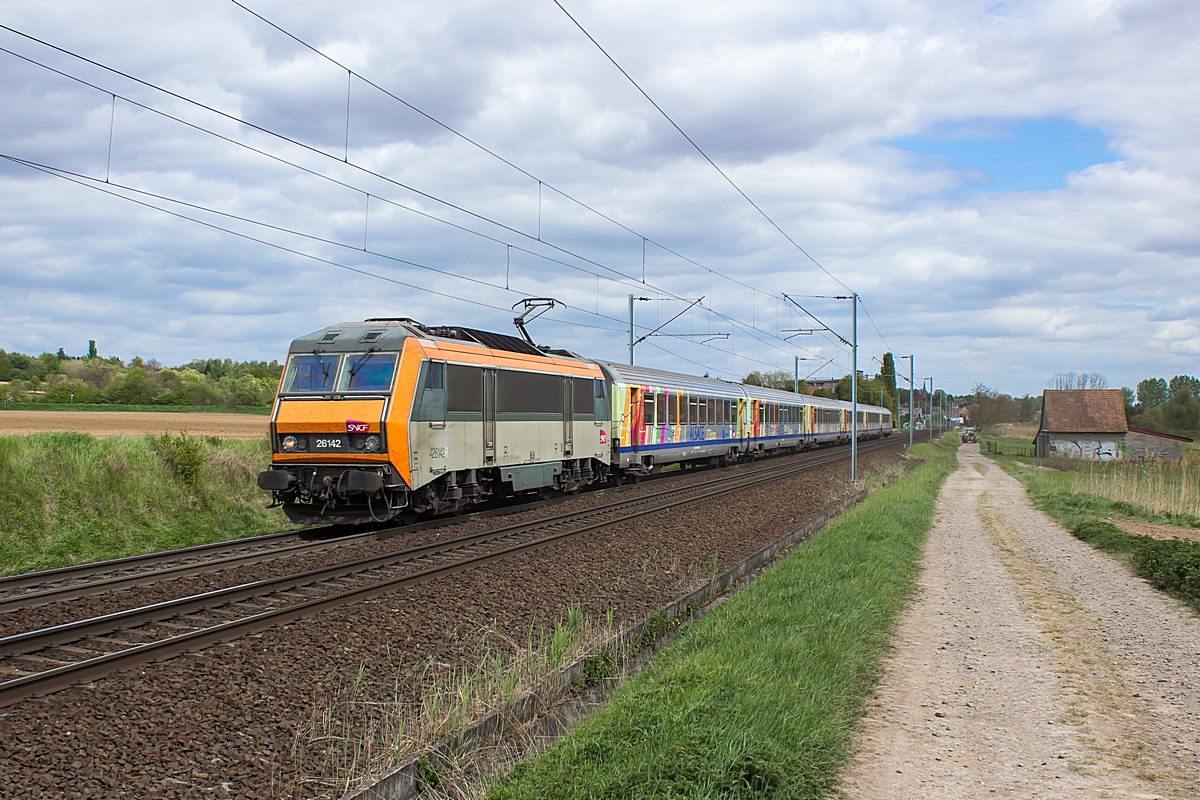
289, 444
371, 444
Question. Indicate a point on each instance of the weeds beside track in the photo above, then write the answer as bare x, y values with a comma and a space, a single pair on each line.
760, 697
69, 498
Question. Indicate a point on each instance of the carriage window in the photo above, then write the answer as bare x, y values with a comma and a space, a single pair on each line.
728, 412
660, 407
673, 401
693, 411
703, 409
712, 411
648, 409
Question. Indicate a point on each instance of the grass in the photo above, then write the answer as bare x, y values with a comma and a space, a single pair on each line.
1085, 497
760, 698
260, 410
356, 732
70, 498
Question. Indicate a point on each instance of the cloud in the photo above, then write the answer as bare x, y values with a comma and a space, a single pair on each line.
1046, 222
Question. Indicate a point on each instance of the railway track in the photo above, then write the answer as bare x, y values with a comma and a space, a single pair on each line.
31, 589
43, 661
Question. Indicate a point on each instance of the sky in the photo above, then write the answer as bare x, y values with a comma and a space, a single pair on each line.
1012, 188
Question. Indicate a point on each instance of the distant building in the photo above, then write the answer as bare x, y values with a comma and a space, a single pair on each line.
828, 384
1090, 424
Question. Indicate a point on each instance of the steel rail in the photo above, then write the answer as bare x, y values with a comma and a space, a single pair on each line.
47, 681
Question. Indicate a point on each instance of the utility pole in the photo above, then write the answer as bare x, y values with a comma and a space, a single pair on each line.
854, 396
631, 342
796, 379
910, 400
930, 408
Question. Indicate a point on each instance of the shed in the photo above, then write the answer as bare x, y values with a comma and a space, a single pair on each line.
1090, 424
1082, 423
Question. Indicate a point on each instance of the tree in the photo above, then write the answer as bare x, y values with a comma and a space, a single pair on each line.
888, 374
1083, 380
776, 379
1182, 411
983, 407
92, 352
1181, 382
1152, 392
1127, 398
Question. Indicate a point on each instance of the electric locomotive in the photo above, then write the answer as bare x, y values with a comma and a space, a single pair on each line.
389, 418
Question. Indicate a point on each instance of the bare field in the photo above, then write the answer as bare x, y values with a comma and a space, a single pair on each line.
133, 423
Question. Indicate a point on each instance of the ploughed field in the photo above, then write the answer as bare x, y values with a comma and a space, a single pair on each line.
134, 423
229, 720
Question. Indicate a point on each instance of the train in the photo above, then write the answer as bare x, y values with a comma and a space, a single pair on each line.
390, 419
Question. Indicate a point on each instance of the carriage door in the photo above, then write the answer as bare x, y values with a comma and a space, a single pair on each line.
568, 394
489, 416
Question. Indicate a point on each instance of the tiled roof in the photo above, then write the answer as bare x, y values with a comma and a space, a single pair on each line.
1083, 411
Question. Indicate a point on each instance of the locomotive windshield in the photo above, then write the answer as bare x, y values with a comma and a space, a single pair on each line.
368, 372
311, 373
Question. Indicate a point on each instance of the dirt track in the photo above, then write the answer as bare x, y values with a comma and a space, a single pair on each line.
1030, 665
133, 423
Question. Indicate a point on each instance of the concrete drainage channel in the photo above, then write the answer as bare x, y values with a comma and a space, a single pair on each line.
559, 701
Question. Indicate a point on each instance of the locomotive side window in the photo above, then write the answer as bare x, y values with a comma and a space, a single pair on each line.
368, 372
464, 389
528, 395
311, 373
430, 403
600, 400
434, 378
582, 402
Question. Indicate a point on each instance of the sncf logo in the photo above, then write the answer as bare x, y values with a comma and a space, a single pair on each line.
603, 437
354, 426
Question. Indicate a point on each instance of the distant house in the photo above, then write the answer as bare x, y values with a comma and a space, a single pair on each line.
1090, 424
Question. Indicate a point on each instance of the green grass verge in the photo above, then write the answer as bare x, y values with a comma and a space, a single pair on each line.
1172, 566
759, 698
70, 498
260, 410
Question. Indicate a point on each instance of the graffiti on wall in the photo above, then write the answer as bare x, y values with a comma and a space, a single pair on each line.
1088, 449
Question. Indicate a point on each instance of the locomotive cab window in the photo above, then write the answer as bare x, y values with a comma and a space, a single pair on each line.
311, 374
368, 372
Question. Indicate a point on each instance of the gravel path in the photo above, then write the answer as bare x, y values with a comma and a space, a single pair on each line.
223, 723
1029, 665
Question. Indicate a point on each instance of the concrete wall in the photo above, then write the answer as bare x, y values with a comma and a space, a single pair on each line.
1144, 445
1089, 447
